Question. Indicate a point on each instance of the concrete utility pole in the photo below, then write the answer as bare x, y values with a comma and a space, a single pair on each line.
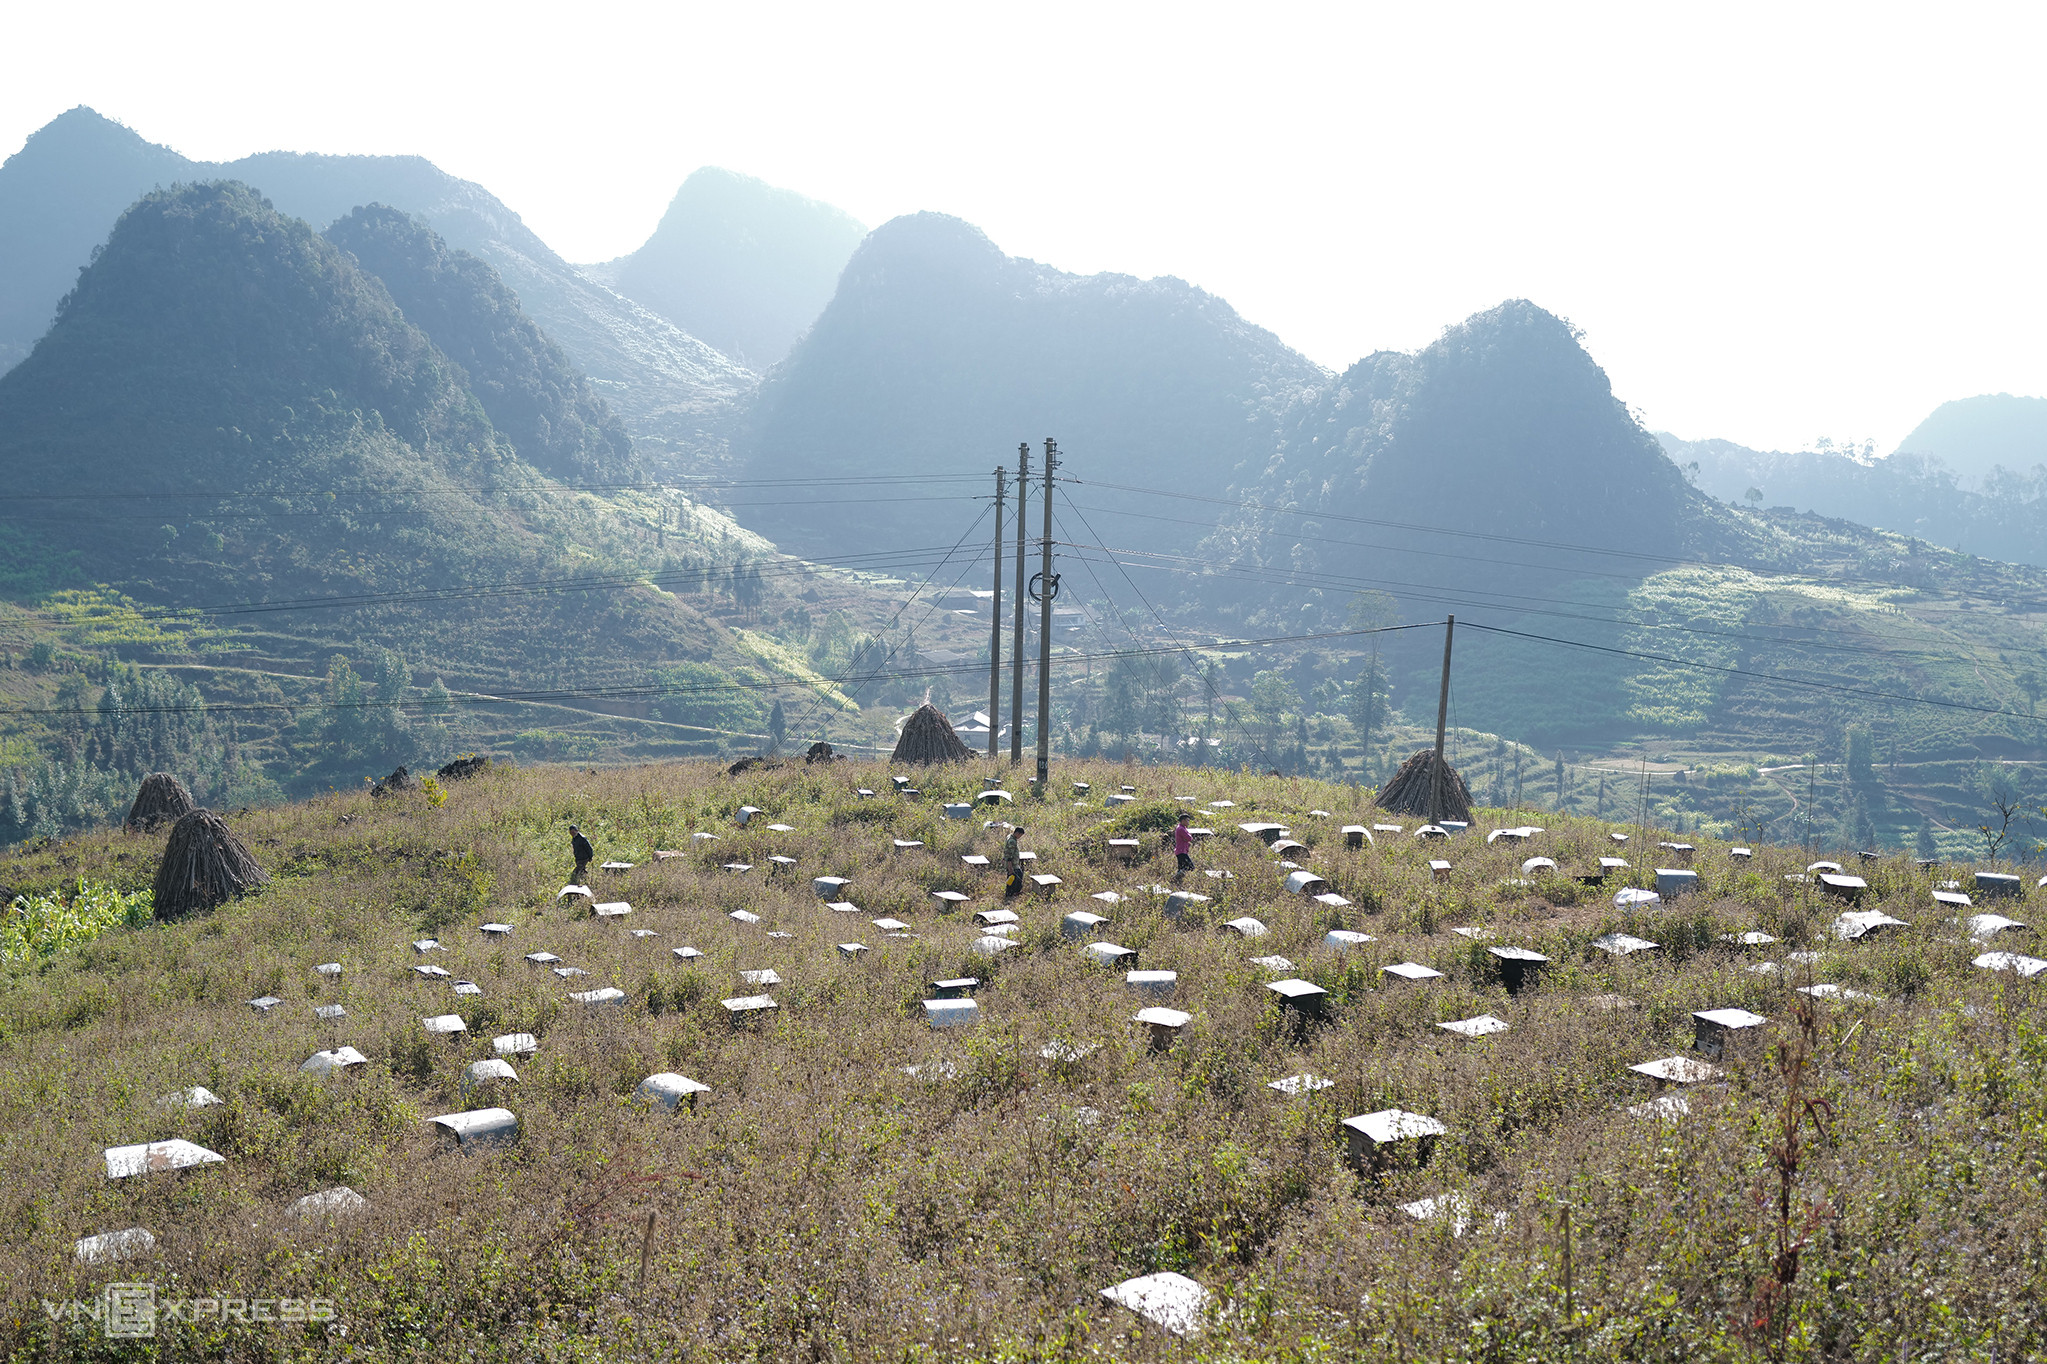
1048, 590
1023, 492
995, 636
1442, 715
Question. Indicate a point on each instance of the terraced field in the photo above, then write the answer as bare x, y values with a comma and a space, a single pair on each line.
1593, 1173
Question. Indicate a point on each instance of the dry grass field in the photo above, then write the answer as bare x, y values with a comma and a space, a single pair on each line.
1866, 1180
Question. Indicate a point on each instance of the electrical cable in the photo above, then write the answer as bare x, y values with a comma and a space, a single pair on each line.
1208, 684
1495, 600
681, 578
840, 684
1899, 697
644, 691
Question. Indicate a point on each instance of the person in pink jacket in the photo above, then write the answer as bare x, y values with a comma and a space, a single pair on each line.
1183, 847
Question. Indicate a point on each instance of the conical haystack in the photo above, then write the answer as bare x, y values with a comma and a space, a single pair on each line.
928, 738
163, 799
204, 866
1408, 792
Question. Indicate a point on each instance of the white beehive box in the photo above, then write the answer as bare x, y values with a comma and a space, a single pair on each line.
1108, 954
1377, 1137
1172, 1302
491, 1071
1165, 1025
158, 1157
1306, 883
668, 1091
951, 1013
1716, 1030
1678, 1070
110, 1246
1157, 984
479, 1128
329, 1062
1302, 996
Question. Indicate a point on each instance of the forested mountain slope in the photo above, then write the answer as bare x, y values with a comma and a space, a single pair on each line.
60, 194
527, 386
235, 456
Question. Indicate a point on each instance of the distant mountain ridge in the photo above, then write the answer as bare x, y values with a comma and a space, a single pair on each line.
1503, 425
742, 264
526, 384
940, 352
61, 193
2001, 516
214, 351
1974, 436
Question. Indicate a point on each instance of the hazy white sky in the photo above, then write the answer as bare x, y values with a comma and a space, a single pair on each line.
1773, 222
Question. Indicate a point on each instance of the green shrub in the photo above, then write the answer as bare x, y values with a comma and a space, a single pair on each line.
37, 925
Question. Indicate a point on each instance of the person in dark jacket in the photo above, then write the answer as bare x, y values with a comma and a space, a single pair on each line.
580, 846
1012, 863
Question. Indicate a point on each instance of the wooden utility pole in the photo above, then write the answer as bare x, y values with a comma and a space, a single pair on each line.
1016, 706
1442, 716
1048, 590
995, 634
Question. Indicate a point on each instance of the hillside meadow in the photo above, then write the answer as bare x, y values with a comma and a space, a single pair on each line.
1862, 1180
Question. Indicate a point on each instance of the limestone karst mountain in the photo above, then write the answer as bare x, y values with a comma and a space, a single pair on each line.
228, 407
740, 263
527, 386
939, 352
60, 194
1974, 436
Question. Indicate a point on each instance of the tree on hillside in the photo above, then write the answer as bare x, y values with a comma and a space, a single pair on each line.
2000, 788
1119, 706
1273, 698
1861, 751
1372, 610
1369, 701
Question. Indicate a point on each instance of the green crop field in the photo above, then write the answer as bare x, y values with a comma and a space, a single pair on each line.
1857, 1177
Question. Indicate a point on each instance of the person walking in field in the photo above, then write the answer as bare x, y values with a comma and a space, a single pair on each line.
580, 846
1183, 847
1012, 863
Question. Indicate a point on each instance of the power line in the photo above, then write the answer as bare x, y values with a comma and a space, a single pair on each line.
1766, 677
1605, 550
1207, 683
840, 683
1497, 600
1575, 571
643, 691
657, 691
652, 487
683, 578
359, 511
